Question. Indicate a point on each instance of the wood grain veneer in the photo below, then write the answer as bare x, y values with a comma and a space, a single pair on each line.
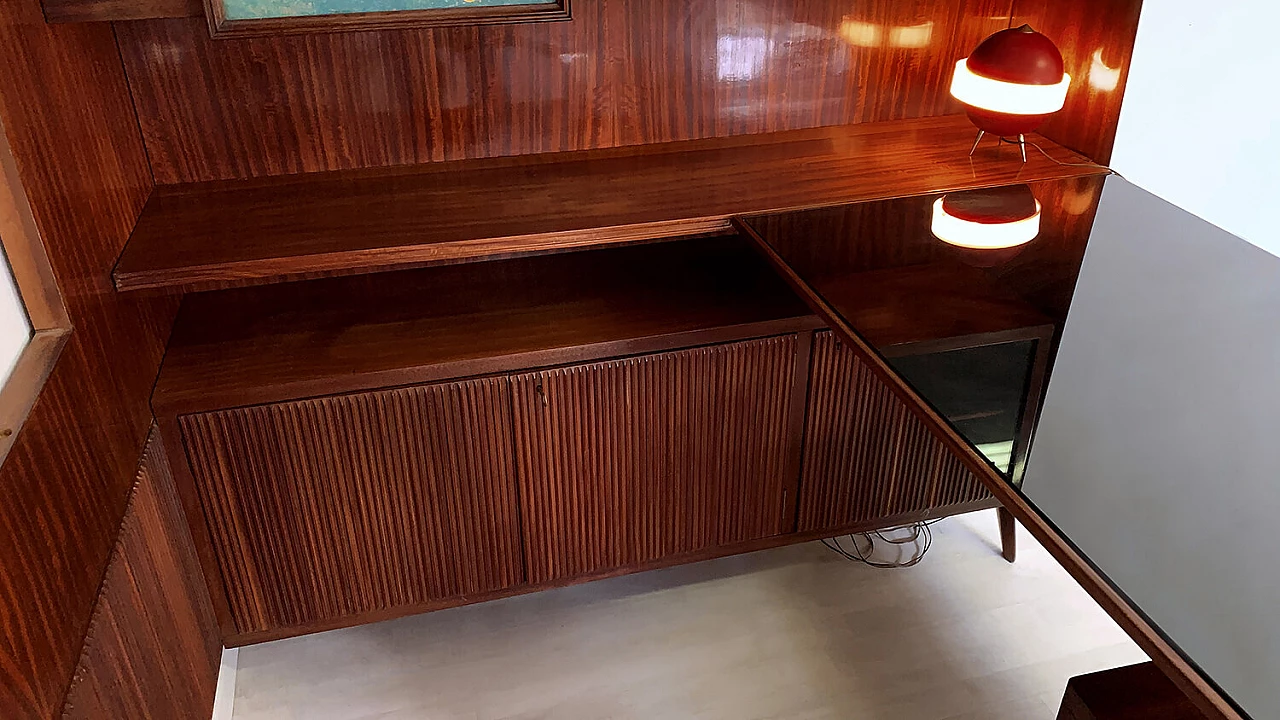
623, 72
1096, 38
64, 486
152, 649
865, 454
1135, 692
258, 231
296, 340
332, 508
627, 462
69, 11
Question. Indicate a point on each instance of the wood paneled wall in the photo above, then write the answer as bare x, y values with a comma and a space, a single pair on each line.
622, 72
1096, 38
152, 649
63, 488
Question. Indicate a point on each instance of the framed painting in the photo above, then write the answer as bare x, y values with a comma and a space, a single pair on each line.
242, 18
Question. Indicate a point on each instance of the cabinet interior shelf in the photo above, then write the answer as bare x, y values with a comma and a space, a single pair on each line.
273, 343
267, 230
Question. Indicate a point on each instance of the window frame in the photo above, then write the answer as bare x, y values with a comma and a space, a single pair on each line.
38, 289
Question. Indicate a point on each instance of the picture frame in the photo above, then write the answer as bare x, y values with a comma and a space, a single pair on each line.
250, 18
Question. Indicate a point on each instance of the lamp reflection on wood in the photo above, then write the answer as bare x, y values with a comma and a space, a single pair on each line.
993, 224
1012, 82
869, 34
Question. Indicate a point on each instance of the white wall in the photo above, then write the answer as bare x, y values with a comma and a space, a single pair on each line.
15, 328
1201, 120
1158, 450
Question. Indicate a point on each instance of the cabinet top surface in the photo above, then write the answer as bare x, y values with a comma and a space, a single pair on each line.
226, 233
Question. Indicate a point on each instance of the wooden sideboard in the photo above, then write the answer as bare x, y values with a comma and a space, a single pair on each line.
355, 449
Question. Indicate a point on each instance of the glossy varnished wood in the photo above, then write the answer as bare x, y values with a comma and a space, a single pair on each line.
658, 456
64, 486
296, 340
152, 648
1136, 692
262, 231
623, 72
928, 302
333, 508
67, 11
1096, 38
835, 248
865, 454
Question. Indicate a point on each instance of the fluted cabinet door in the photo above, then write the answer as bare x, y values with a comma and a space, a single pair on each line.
328, 508
866, 456
626, 462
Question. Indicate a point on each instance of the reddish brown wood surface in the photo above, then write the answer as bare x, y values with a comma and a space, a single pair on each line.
64, 485
865, 454
828, 246
1136, 692
631, 461
773, 541
297, 340
1096, 38
152, 648
934, 301
331, 508
66, 11
259, 231
623, 72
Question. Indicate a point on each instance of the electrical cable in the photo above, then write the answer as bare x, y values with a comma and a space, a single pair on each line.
921, 535
1047, 155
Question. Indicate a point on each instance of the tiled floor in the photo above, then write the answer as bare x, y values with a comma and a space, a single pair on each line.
790, 633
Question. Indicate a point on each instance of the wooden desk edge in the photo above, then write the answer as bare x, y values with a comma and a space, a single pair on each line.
1152, 641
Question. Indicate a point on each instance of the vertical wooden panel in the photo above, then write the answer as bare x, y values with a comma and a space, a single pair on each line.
622, 72
330, 508
866, 455
1096, 38
152, 649
626, 462
64, 486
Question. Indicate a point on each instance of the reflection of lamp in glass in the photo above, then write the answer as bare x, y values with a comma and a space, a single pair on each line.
1011, 83
990, 219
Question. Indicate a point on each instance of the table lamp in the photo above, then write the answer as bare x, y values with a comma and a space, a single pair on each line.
1010, 84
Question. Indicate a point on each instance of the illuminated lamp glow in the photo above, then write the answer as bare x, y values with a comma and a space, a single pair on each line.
1102, 76
983, 235
911, 36
870, 35
999, 96
861, 34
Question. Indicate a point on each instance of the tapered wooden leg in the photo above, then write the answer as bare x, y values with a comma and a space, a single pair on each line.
1008, 534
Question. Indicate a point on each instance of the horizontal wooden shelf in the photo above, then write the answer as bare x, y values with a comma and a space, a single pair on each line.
250, 232
268, 344
905, 310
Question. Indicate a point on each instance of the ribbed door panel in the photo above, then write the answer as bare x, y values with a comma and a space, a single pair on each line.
866, 456
327, 508
626, 462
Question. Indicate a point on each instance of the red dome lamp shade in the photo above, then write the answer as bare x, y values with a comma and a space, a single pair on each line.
1011, 83
993, 223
